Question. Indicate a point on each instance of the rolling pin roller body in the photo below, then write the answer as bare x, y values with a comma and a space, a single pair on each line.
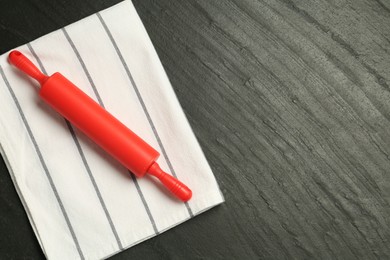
99, 125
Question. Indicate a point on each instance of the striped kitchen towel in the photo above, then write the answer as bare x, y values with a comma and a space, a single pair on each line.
82, 203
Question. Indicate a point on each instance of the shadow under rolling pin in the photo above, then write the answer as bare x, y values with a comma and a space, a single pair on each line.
99, 125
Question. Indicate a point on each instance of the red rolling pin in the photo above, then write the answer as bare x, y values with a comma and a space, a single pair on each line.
99, 125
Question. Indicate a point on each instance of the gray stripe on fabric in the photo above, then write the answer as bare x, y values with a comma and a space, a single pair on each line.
85, 162
82, 63
144, 202
95, 186
141, 102
48, 175
100, 101
146, 206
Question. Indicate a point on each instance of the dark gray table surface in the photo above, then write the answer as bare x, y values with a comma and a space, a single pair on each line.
290, 101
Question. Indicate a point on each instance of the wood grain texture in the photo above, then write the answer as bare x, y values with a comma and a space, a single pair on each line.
290, 101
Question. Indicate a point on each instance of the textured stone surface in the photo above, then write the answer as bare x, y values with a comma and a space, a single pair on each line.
290, 101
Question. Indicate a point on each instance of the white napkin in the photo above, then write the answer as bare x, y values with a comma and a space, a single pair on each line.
82, 203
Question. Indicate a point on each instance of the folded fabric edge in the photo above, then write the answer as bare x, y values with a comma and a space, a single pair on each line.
26, 208
216, 199
168, 228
